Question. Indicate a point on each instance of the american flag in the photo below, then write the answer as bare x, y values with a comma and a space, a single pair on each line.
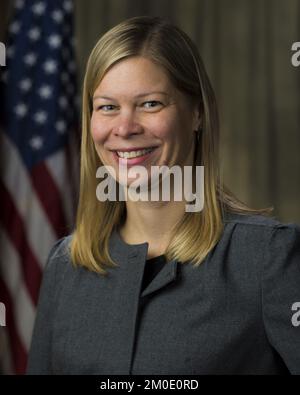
38, 120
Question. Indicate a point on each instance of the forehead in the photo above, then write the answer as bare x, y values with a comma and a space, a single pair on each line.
134, 75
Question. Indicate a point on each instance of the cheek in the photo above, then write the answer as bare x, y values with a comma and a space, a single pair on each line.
164, 129
97, 130
174, 124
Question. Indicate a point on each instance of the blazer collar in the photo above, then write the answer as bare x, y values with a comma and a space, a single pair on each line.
135, 256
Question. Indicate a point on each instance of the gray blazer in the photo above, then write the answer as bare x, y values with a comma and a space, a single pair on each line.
237, 313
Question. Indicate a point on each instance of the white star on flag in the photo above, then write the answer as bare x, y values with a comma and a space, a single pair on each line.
57, 15
45, 92
40, 117
30, 59
21, 110
54, 41
61, 127
50, 66
36, 142
25, 85
68, 6
34, 34
15, 27
39, 8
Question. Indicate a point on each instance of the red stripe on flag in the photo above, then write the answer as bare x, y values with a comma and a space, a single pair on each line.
18, 352
50, 198
13, 224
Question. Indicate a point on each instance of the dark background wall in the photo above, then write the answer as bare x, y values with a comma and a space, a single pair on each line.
246, 47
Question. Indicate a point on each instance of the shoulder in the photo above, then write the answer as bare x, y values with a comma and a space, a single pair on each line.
61, 249
259, 224
58, 261
251, 221
262, 231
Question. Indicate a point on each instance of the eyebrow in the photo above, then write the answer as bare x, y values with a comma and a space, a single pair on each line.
137, 96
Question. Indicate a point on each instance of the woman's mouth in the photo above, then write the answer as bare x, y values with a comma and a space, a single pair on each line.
133, 157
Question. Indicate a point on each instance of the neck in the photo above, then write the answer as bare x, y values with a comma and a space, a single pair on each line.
151, 222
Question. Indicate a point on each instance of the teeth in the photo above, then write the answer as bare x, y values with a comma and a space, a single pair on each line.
134, 154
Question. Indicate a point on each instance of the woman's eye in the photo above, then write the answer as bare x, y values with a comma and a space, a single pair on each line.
151, 104
106, 107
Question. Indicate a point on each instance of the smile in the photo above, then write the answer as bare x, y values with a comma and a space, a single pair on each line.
134, 154
133, 157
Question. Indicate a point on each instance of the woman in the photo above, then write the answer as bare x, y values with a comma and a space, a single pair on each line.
155, 289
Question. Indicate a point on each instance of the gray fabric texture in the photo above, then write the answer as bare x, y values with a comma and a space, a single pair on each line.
231, 315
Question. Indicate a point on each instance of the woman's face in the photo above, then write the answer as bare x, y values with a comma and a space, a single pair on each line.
137, 108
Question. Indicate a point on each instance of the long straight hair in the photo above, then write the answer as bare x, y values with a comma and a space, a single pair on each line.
197, 232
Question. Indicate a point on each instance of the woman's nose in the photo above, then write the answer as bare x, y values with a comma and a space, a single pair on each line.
128, 124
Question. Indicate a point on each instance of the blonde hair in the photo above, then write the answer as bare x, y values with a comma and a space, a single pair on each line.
197, 232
